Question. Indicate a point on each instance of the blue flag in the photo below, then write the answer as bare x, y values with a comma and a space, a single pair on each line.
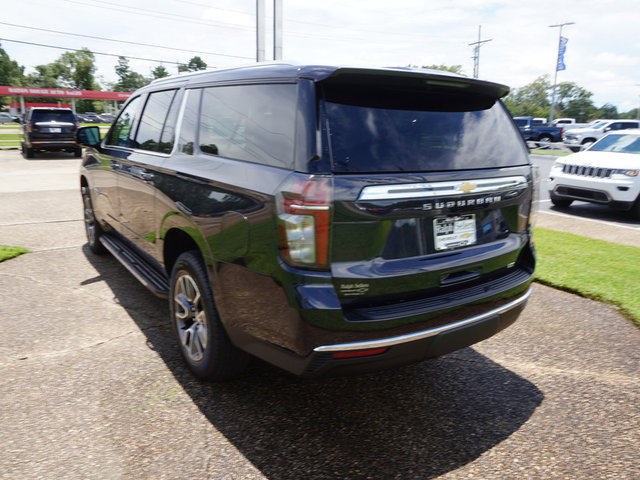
562, 47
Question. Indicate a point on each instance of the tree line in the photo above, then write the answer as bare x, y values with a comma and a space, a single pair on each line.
77, 70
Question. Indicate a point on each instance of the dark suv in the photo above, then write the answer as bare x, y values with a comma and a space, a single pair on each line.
50, 129
325, 219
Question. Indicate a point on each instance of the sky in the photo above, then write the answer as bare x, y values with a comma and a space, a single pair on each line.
602, 55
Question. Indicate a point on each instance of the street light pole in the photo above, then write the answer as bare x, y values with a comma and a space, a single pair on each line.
555, 77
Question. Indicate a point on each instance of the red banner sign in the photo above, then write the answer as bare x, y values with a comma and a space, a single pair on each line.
63, 92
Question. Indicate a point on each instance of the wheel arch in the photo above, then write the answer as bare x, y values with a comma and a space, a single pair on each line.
176, 242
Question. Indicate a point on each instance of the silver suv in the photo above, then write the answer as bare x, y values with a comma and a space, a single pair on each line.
580, 138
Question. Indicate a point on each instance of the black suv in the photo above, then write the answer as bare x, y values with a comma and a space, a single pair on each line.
50, 129
325, 219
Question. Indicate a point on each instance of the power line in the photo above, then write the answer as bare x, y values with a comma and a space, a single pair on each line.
163, 15
91, 51
122, 41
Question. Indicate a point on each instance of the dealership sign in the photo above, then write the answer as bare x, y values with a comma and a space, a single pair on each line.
63, 92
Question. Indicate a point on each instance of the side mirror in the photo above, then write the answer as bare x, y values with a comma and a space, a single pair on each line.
88, 137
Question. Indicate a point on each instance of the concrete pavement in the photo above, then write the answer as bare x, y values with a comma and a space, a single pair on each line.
93, 387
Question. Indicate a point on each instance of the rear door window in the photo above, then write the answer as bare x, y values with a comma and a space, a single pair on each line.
121, 133
153, 121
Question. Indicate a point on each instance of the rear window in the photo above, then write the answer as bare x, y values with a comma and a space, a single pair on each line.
426, 135
53, 116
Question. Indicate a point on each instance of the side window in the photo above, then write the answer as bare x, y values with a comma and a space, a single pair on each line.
153, 120
120, 133
189, 125
255, 123
168, 137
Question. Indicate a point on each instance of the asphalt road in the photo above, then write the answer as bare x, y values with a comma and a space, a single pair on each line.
93, 387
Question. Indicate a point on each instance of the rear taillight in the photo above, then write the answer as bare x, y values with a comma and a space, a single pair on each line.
303, 206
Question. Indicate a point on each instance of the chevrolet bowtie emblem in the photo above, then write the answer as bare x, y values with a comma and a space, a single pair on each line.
467, 187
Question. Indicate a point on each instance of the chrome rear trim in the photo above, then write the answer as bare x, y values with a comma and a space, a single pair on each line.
412, 337
441, 189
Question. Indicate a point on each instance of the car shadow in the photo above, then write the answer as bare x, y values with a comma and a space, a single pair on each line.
51, 156
418, 421
594, 211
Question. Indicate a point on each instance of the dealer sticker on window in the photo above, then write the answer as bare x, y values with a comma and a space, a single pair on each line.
454, 232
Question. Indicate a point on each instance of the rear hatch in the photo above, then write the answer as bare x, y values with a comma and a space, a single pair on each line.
432, 192
53, 125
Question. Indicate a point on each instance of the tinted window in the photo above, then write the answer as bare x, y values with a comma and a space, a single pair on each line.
255, 123
122, 128
189, 122
153, 120
53, 116
385, 139
168, 136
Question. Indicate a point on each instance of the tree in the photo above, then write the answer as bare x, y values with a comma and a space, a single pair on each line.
45, 76
11, 73
531, 100
195, 64
159, 72
575, 102
129, 80
608, 111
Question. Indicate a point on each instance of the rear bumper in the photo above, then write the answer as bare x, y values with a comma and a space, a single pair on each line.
58, 143
389, 351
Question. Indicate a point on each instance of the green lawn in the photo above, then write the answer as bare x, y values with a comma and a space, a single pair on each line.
7, 252
595, 269
557, 153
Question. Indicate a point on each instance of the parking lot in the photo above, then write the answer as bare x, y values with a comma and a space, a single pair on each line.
93, 385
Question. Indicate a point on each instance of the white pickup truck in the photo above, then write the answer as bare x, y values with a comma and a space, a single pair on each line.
581, 138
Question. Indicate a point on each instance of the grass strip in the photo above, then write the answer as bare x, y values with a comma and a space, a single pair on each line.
591, 268
7, 252
554, 153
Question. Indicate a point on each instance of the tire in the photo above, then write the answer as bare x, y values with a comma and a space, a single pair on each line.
91, 226
545, 139
635, 210
587, 143
28, 152
77, 152
561, 202
203, 341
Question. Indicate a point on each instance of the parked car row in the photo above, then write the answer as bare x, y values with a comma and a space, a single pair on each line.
91, 117
581, 138
8, 118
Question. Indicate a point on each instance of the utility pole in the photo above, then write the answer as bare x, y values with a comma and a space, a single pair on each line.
277, 29
561, 46
476, 52
261, 30
261, 21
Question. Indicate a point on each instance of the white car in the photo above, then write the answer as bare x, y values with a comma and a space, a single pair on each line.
607, 173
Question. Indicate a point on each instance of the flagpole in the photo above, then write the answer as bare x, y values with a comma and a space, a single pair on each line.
555, 77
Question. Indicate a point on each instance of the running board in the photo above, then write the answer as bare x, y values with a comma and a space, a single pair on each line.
137, 265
